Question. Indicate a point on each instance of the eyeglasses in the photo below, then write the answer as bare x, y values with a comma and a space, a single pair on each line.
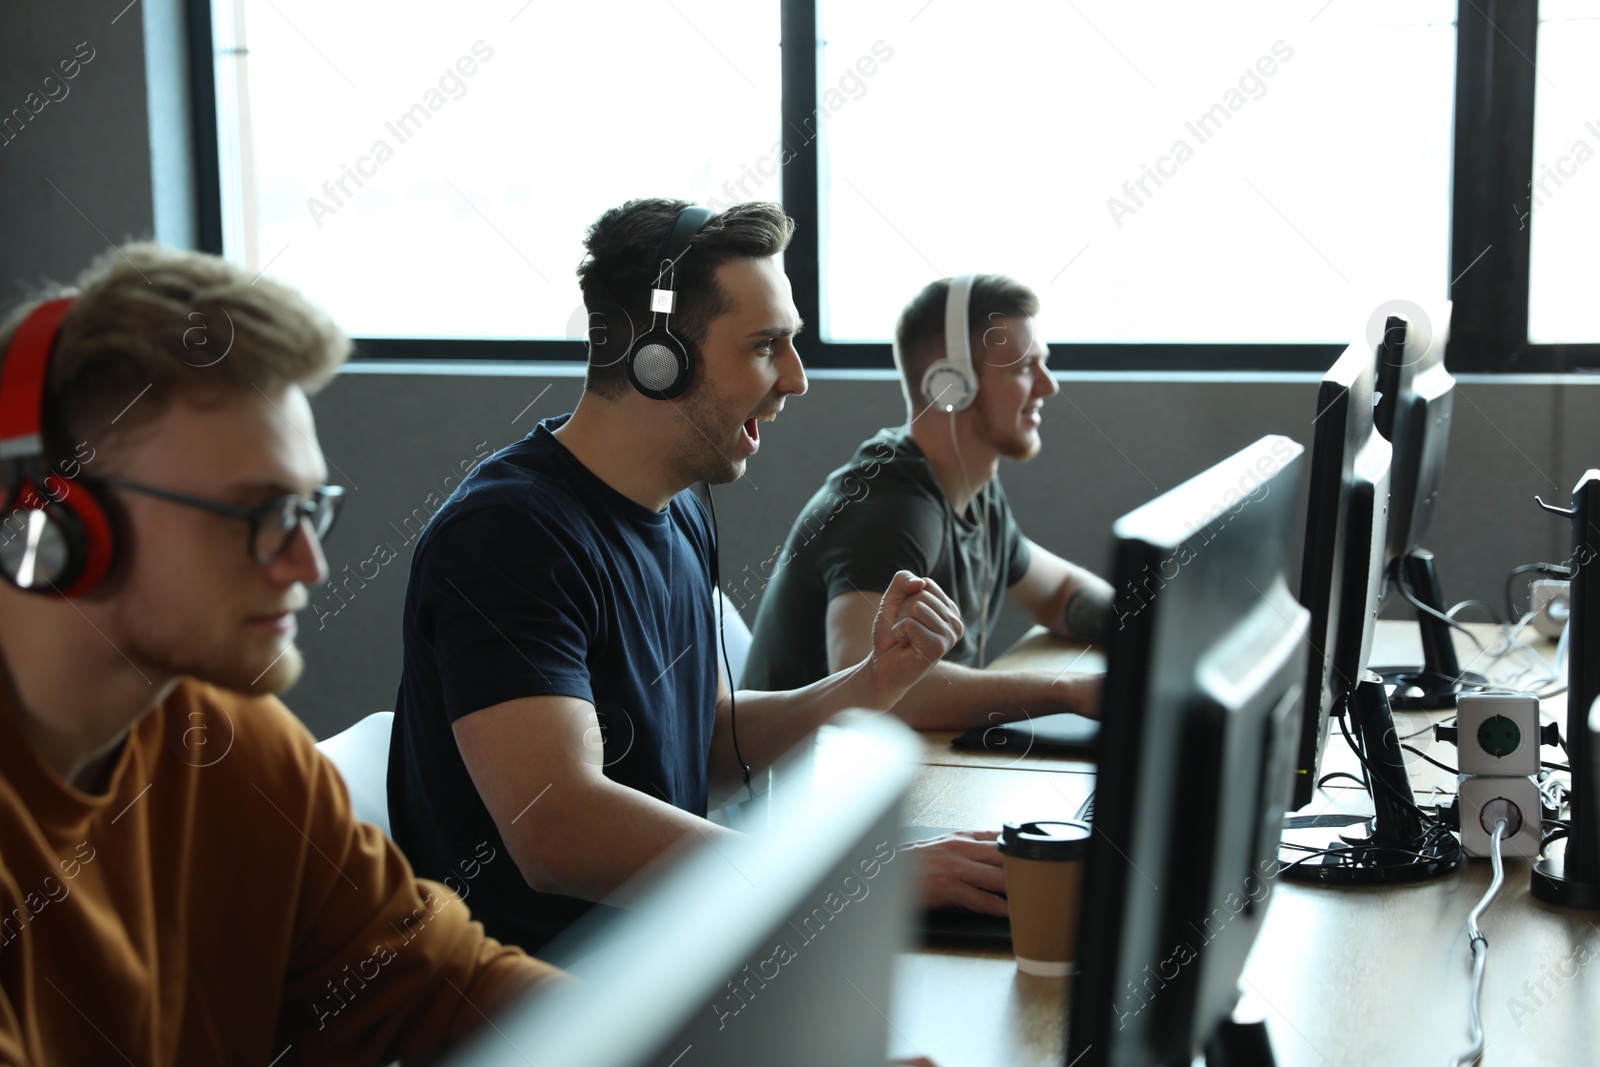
272, 525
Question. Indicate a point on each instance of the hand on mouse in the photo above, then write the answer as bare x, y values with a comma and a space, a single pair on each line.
962, 870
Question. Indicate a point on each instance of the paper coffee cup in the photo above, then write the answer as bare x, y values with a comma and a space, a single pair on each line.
1044, 873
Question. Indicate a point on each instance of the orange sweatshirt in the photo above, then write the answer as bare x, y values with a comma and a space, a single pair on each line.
221, 905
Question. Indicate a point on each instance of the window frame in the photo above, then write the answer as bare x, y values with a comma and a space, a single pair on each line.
1492, 153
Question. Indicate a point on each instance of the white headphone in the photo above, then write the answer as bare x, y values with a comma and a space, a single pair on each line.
950, 383
951, 386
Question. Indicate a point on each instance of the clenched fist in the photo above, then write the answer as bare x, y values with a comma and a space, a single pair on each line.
916, 624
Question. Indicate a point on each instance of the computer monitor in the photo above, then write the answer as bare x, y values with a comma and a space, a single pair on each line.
1572, 877
1341, 568
775, 948
1416, 397
1206, 670
1341, 573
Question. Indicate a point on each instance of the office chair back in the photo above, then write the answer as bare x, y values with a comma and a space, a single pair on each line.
736, 635
362, 755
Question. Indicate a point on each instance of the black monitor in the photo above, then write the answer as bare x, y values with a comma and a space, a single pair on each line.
775, 948
1341, 568
1341, 573
1571, 877
1416, 396
1206, 671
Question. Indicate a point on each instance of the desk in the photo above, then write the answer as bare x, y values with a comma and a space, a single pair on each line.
1343, 976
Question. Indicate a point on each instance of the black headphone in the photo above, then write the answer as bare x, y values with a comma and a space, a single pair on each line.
58, 537
660, 363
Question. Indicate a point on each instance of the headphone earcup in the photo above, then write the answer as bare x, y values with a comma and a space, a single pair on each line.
947, 387
660, 365
55, 546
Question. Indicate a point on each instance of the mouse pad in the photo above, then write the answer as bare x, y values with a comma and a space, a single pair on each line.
1048, 735
958, 928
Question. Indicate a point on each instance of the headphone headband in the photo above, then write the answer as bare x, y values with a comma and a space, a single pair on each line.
957, 331
950, 383
690, 221
660, 364
22, 380
66, 545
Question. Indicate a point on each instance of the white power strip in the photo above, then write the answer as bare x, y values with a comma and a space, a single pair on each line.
1552, 605
1484, 800
1498, 734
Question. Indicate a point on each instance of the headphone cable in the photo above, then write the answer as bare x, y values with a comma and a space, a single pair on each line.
716, 591
983, 543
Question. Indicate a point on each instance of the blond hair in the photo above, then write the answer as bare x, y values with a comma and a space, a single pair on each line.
156, 324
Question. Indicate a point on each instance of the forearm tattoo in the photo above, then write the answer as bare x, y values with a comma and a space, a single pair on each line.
1088, 614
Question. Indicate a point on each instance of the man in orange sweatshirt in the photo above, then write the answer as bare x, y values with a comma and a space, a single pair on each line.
181, 878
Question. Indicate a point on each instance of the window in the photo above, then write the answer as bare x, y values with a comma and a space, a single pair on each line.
1225, 186
1562, 202
1165, 172
428, 171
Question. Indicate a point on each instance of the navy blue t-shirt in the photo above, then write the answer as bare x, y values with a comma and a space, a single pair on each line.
536, 578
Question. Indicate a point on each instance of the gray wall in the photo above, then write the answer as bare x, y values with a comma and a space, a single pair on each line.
82, 173
78, 173
1111, 443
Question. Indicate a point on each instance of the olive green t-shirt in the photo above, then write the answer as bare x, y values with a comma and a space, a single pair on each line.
880, 513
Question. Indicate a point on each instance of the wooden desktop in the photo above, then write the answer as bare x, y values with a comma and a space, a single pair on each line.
1342, 976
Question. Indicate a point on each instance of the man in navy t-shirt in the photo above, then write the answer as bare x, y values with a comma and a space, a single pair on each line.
561, 696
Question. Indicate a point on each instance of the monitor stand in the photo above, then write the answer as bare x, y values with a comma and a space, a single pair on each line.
1554, 884
1400, 845
1440, 680
1571, 879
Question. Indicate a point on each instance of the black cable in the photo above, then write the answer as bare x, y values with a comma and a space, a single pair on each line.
1405, 797
716, 590
1430, 759
1555, 766
1400, 583
1331, 775
1344, 730
1553, 570
1347, 850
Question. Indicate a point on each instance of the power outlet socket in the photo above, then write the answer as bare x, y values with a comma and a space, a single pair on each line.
1498, 734
1483, 800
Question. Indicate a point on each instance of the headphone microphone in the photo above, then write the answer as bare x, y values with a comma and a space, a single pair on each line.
53, 543
660, 363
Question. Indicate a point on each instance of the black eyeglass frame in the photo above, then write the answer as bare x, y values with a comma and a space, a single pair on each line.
326, 502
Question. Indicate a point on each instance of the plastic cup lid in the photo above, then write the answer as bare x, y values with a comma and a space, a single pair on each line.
1058, 840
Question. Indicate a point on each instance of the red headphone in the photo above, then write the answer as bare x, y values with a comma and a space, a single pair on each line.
57, 535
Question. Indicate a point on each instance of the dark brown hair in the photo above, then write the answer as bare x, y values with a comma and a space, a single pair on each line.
151, 324
619, 269
919, 335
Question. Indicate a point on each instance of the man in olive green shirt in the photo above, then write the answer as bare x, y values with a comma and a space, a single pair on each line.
926, 497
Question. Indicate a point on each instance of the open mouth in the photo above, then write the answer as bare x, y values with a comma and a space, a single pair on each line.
752, 429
